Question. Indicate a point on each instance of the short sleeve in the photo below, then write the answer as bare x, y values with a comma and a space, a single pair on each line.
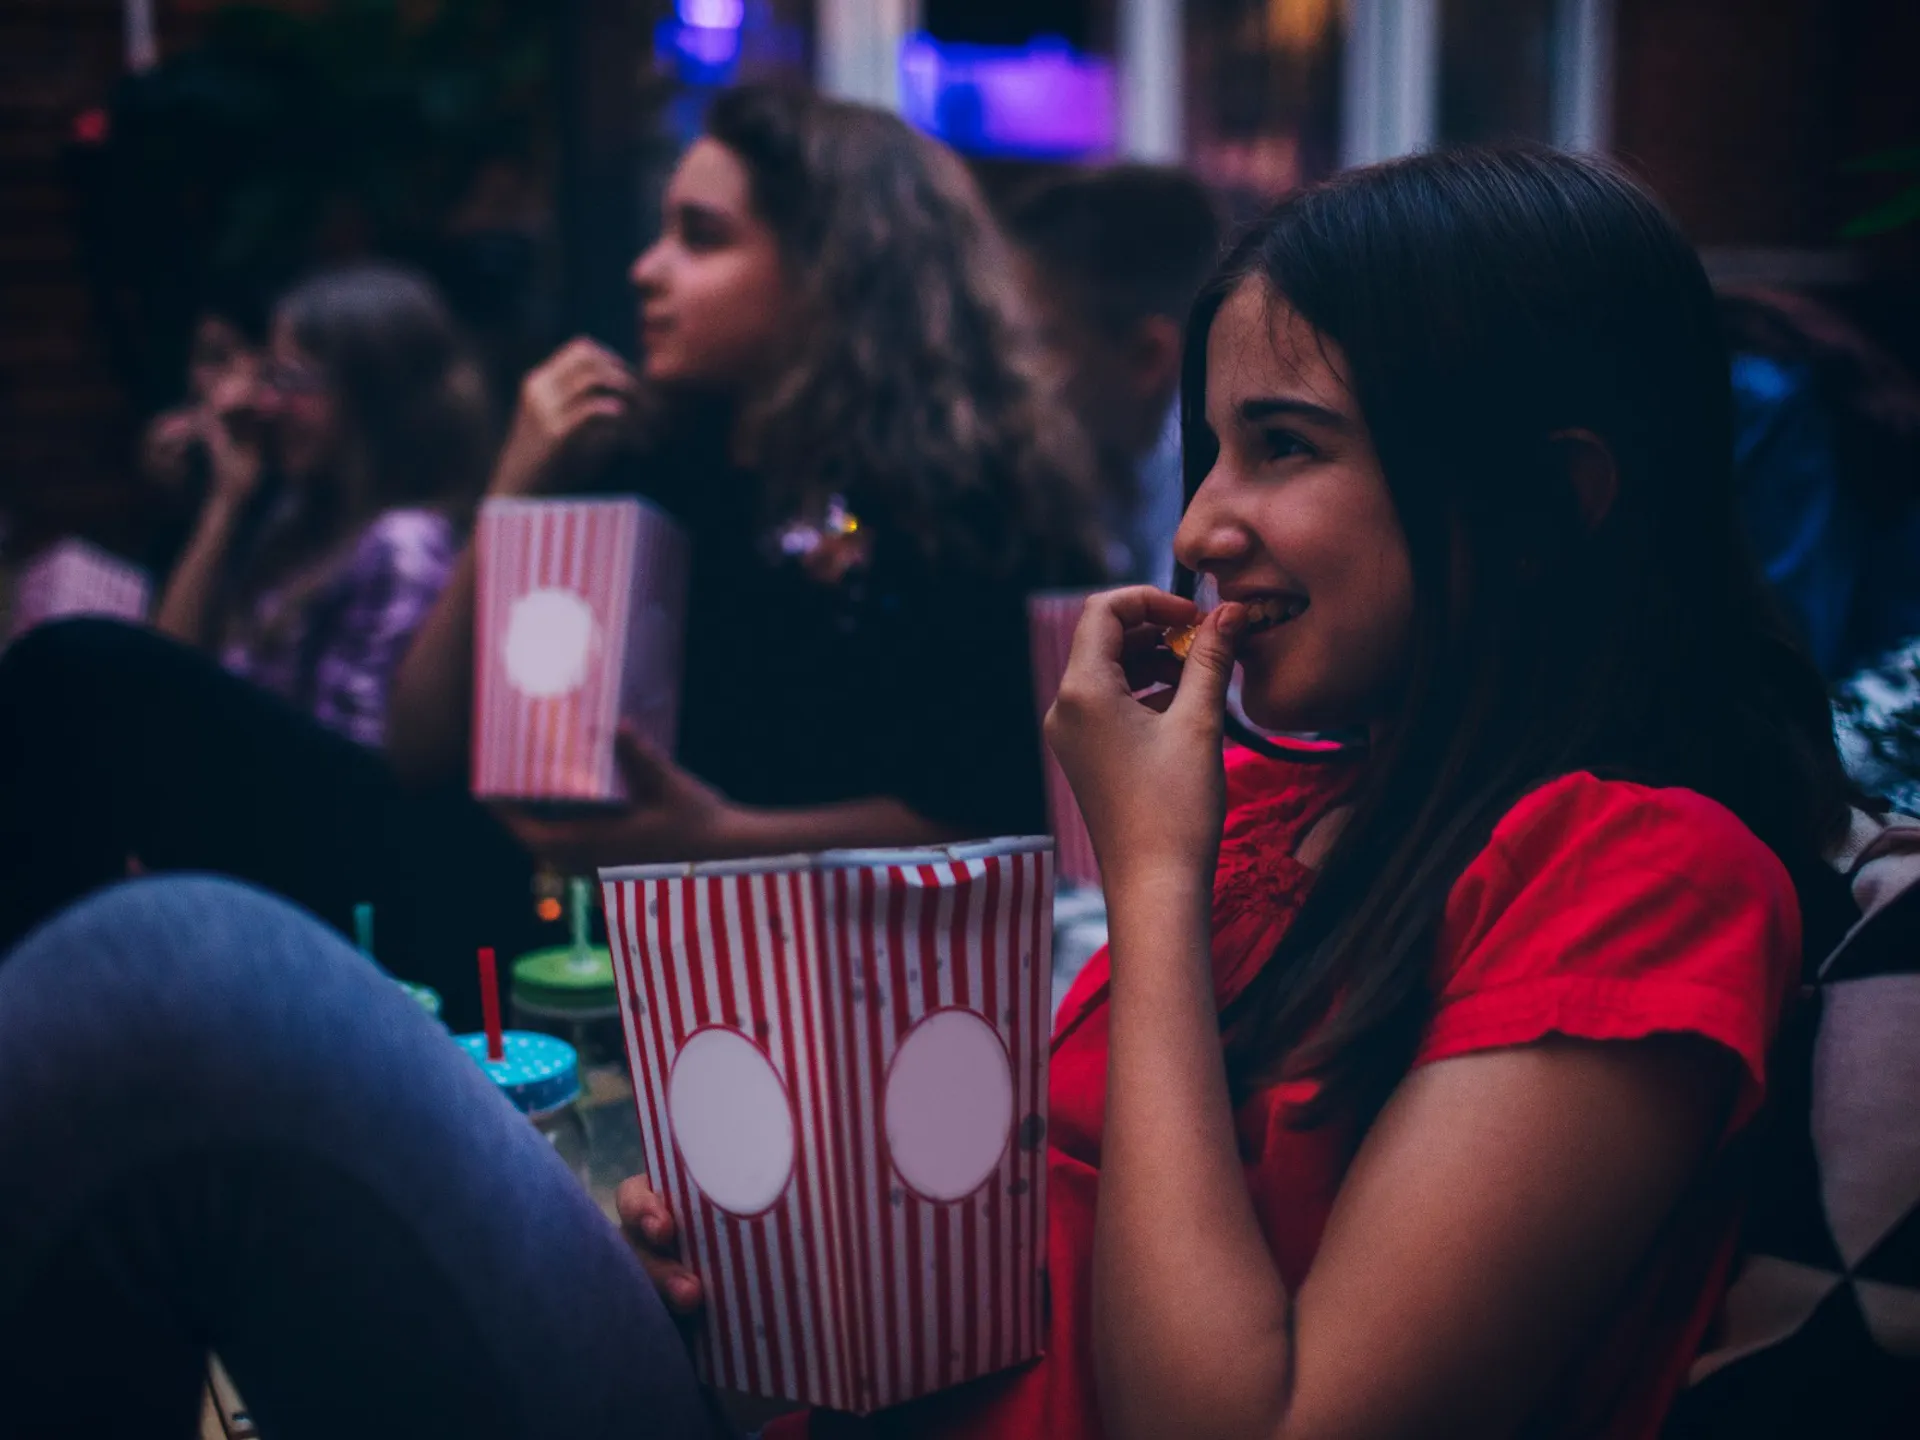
1605, 910
397, 572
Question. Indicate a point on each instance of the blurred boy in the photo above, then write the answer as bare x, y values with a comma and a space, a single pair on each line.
1115, 258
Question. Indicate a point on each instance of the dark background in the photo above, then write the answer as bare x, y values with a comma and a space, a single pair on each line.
523, 167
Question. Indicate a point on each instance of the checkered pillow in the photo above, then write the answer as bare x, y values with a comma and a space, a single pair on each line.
1820, 1333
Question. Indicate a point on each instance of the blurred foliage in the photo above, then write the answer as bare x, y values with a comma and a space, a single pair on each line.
285, 139
1903, 208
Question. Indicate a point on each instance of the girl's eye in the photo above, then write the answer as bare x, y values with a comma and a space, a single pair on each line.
1284, 444
700, 232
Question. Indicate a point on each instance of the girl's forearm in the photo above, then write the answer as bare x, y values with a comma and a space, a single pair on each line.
1191, 1315
187, 608
430, 705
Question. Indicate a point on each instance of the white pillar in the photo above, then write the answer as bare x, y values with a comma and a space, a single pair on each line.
1151, 62
142, 46
1390, 101
857, 48
1583, 74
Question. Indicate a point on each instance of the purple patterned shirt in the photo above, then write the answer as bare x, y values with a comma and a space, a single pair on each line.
336, 659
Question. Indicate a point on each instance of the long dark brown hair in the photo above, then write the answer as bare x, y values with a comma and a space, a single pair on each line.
917, 388
1485, 300
412, 415
411, 401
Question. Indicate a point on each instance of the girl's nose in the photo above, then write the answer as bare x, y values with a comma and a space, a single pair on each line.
1211, 536
645, 272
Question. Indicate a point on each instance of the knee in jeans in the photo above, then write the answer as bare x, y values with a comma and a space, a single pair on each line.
180, 1010
182, 951
197, 919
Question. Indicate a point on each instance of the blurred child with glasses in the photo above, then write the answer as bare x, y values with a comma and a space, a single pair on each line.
339, 468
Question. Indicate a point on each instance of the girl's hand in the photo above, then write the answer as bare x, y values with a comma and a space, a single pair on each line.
671, 814
232, 428
648, 1225
1151, 785
234, 466
166, 444
579, 388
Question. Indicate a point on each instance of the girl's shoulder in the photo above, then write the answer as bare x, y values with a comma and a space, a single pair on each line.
411, 527
407, 539
1606, 909
1583, 824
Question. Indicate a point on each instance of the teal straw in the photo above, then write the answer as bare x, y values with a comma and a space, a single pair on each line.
424, 995
577, 893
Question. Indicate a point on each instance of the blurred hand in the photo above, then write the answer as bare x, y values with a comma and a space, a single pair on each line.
167, 442
580, 389
670, 815
648, 1225
233, 429
1149, 775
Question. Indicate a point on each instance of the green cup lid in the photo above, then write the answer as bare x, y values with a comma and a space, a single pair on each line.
566, 979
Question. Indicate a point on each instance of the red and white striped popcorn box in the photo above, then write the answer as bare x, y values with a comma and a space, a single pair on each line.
1052, 617
580, 622
72, 577
840, 1064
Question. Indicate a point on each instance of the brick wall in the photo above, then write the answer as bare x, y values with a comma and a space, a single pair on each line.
66, 427
1744, 115
1741, 112
62, 419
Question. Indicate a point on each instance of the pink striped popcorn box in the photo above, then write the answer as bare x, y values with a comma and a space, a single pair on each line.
71, 577
1052, 617
579, 623
840, 1064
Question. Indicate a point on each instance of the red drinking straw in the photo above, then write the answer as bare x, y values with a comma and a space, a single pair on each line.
490, 1004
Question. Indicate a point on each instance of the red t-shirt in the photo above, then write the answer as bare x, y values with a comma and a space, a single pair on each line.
1599, 909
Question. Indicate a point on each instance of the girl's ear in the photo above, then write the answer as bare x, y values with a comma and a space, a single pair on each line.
1153, 359
1590, 470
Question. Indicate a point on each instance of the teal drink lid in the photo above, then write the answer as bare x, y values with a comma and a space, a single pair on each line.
536, 1072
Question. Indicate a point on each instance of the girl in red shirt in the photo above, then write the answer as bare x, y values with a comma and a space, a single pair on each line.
1400, 1104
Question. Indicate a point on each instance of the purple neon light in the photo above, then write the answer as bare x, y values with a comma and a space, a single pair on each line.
1040, 99
711, 14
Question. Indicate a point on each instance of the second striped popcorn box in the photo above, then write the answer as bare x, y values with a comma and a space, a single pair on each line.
71, 578
1052, 617
580, 615
840, 1064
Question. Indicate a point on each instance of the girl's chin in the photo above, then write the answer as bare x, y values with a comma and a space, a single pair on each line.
1280, 719
1288, 713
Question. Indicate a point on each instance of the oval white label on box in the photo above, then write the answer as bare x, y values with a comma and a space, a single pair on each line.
949, 1105
731, 1121
549, 640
